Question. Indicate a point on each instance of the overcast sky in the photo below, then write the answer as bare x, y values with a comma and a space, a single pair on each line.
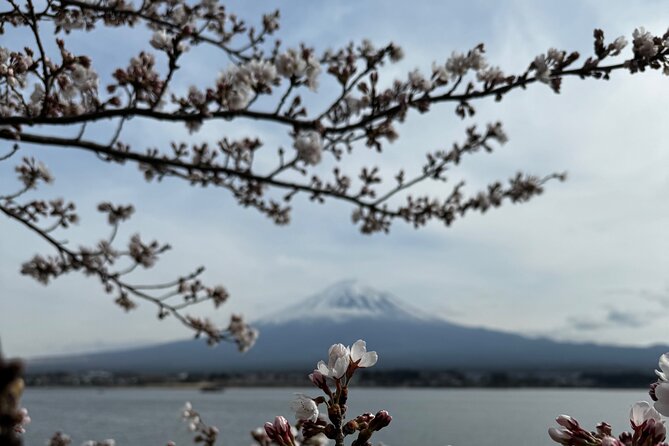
585, 261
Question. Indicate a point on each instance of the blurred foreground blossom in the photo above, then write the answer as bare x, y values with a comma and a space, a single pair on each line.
305, 408
660, 390
280, 432
648, 426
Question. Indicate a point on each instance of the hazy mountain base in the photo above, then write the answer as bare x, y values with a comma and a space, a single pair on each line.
406, 337
402, 345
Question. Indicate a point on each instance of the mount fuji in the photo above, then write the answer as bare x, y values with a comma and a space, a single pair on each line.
406, 338
348, 301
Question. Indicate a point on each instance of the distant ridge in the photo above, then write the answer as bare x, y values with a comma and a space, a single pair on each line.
405, 337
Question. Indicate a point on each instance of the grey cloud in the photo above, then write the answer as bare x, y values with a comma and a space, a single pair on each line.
613, 318
659, 297
582, 324
626, 319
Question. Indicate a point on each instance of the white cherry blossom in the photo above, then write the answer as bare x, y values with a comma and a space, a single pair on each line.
305, 408
339, 358
361, 357
259, 72
663, 363
419, 82
662, 395
25, 420
440, 72
294, 64
291, 64
618, 45
642, 412
237, 90
542, 69
161, 41
355, 105
309, 146
490, 74
644, 43
458, 64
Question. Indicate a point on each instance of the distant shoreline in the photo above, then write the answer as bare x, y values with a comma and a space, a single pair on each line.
448, 379
192, 387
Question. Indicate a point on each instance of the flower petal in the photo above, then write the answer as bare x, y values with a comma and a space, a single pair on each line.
662, 393
662, 407
323, 368
340, 367
305, 408
368, 359
638, 412
337, 351
559, 435
358, 349
664, 364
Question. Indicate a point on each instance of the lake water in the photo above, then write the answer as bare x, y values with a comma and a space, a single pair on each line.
471, 417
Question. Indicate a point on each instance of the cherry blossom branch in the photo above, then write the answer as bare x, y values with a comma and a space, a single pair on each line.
105, 262
15, 148
150, 113
43, 269
373, 214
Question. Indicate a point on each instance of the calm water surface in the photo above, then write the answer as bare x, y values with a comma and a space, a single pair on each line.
479, 417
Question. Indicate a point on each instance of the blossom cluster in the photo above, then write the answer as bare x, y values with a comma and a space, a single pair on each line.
242, 334
342, 358
645, 44
14, 66
71, 90
299, 65
237, 85
204, 433
24, 420
309, 146
312, 427
648, 426
366, 110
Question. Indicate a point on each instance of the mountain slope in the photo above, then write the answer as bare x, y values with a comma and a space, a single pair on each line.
405, 337
346, 301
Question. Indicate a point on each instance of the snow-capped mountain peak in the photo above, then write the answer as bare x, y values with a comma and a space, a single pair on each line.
348, 300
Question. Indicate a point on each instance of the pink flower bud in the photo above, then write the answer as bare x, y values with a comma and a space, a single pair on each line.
567, 422
269, 429
562, 436
318, 379
280, 431
380, 420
